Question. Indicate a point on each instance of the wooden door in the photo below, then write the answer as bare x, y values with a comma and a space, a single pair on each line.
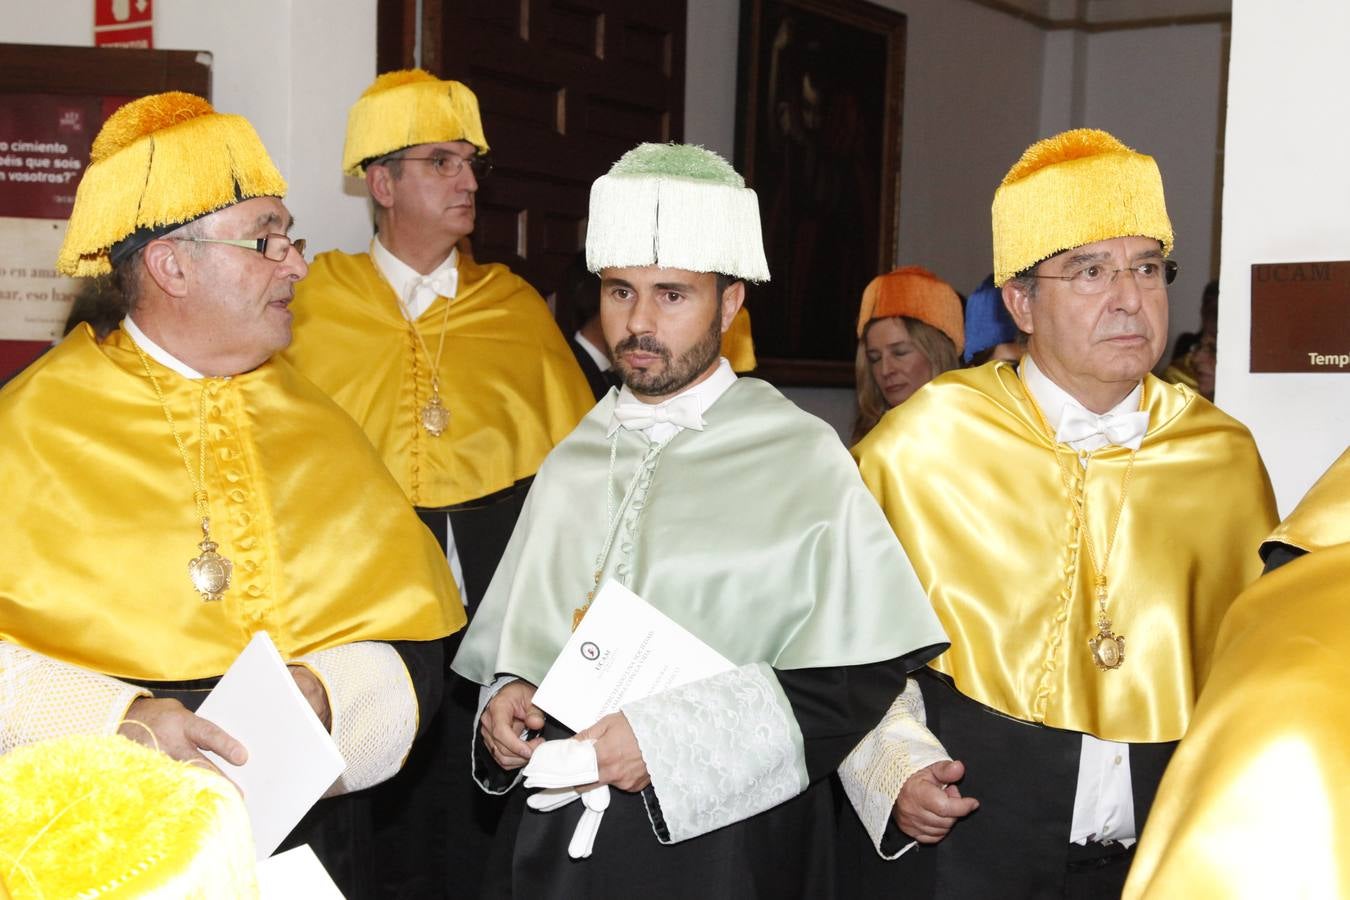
565, 87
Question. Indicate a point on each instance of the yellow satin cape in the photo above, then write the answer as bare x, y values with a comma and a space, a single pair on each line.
507, 376
969, 480
1322, 517
738, 343
100, 523
1255, 802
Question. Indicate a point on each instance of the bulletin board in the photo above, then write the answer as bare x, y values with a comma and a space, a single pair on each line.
53, 100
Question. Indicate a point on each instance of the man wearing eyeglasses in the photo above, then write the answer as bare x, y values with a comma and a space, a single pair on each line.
1050, 508
174, 488
459, 376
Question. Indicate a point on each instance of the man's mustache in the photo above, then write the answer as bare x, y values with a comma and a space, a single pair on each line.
643, 343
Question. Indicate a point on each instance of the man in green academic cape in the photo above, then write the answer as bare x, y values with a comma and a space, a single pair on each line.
738, 516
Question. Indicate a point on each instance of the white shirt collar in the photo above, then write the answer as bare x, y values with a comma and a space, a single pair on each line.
595, 353
706, 392
158, 353
404, 279
1052, 399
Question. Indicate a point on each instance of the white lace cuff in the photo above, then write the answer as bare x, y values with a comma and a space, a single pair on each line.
875, 771
374, 707
719, 750
481, 774
42, 698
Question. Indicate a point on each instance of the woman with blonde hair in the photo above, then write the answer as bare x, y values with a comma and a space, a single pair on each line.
910, 330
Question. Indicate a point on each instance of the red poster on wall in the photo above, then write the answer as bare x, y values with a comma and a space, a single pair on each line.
44, 150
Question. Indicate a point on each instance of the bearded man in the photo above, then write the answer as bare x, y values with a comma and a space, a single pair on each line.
735, 514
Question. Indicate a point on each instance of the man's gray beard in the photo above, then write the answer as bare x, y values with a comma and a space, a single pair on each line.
677, 375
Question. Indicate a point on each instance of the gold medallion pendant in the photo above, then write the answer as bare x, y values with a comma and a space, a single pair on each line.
435, 416
1108, 650
210, 572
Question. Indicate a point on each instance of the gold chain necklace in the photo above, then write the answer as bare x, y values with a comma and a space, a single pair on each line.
433, 415
209, 571
1108, 648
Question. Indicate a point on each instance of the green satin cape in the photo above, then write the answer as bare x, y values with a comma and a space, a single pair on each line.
100, 523
1255, 802
968, 477
511, 384
757, 535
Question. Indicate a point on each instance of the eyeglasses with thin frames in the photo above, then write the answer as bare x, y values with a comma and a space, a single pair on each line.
1095, 278
448, 165
273, 246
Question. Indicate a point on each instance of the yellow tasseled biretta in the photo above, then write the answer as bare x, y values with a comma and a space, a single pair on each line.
101, 816
915, 292
159, 161
1072, 189
406, 108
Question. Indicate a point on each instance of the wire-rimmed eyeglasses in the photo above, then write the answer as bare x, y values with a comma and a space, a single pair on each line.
272, 246
1094, 278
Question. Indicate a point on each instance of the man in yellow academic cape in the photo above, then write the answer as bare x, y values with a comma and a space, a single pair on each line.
175, 488
462, 381
1081, 527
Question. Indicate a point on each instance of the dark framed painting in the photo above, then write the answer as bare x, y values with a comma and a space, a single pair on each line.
818, 138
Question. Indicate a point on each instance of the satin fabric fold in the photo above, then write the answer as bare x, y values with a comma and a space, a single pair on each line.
1255, 801
756, 534
100, 521
510, 382
969, 480
1322, 517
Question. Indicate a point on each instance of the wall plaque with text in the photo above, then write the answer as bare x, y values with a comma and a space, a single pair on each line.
1301, 317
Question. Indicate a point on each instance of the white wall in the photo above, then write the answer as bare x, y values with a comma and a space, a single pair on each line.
1286, 191
1159, 91
292, 67
972, 105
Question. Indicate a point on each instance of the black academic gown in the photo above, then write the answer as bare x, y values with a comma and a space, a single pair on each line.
760, 857
1016, 845
434, 827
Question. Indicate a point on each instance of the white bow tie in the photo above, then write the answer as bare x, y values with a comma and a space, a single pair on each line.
1121, 429
684, 411
440, 284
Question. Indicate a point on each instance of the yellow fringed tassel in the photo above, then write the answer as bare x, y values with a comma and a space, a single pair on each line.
162, 160
401, 109
1072, 189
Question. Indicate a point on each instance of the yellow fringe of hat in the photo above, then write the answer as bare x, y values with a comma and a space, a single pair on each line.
915, 292
1072, 189
101, 816
162, 160
405, 108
